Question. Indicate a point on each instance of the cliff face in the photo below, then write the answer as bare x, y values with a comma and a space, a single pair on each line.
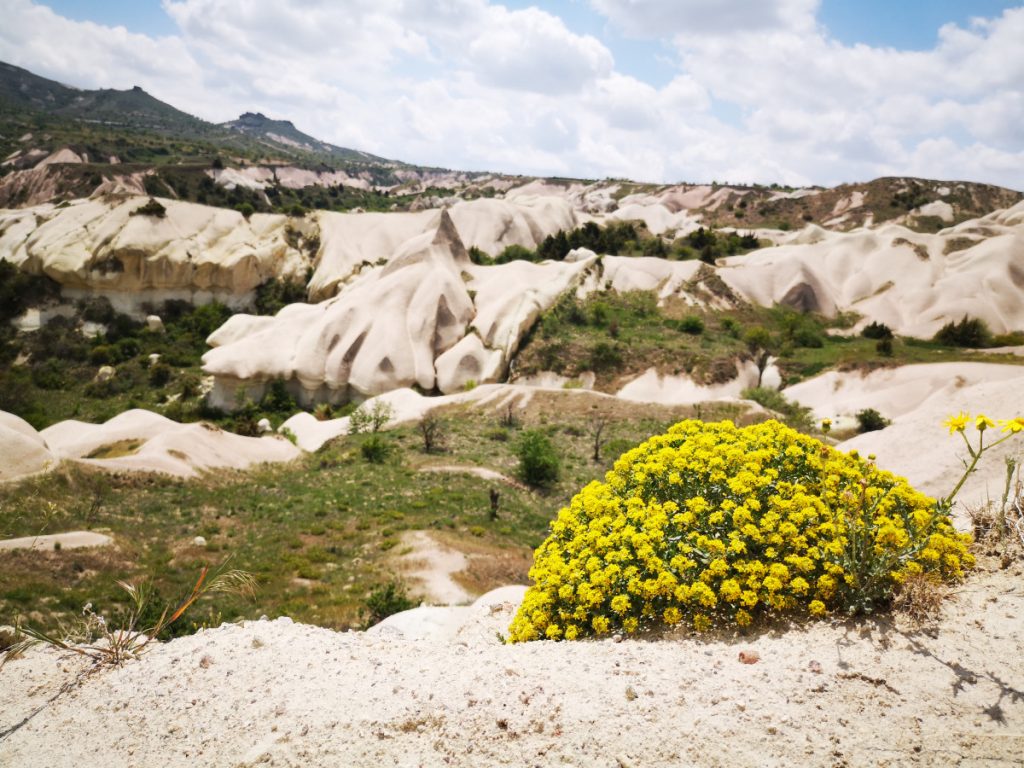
190, 251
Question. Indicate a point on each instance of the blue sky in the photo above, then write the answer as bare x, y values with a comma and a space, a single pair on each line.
795, 91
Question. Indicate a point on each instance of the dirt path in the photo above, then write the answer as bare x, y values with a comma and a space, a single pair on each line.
431, 565
481, 472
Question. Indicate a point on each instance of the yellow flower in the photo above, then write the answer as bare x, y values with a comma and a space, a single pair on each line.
733, 523
620, 603
1012, 426
826, 425
957, 423
983, 422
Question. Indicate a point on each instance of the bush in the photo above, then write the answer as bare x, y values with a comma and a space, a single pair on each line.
433, 430
274, 295
19, 290
884, 347
539, 464
384, 601
159, 375
50, 374
101, 355
711, 524
375, 449
515, 253
97, 309
370, 418
969, 332
479, 258
605, 356
691, 324
870, 420
876, 330
152, 208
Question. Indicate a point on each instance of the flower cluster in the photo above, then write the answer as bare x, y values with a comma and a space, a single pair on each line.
715, 524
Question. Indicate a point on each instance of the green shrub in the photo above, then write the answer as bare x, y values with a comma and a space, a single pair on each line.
19, 290
515, 253
969, 332
480, 258
876, 330
370, 418
870, 420
152, 208
274, 295
375, 449
52, 373
692, 324
101, 355
97, 309
605, 356
539, 464
159, 375
732, 327
384, 601
884, 347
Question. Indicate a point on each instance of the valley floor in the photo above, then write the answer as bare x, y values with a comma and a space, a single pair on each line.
872, 692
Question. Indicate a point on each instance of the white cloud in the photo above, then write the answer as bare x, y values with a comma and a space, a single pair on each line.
533, 50
761, 93
659, 19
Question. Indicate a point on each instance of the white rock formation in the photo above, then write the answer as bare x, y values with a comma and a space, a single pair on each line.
893, 275
193, 252
163, 445
353, 242
22, 451
383, 332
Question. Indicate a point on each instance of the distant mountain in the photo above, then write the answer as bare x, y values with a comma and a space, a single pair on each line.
115, 121
283, 135
131, 108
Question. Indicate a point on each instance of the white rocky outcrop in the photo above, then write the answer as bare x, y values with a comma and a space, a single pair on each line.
193, 251
383, 332
913, 282
136, 441
22, 451
354, 242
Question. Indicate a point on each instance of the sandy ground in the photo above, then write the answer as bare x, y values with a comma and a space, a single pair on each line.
878, 693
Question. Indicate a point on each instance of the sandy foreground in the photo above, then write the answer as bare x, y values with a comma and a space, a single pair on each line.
275, 693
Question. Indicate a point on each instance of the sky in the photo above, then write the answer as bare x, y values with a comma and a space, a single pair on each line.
789, 91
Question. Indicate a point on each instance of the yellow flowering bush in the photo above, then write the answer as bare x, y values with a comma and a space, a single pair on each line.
713, 524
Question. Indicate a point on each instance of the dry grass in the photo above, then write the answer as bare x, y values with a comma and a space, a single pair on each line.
106, 645
999, 528
920, 597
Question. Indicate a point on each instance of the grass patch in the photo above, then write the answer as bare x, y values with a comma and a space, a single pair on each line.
116, 450
330, 518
